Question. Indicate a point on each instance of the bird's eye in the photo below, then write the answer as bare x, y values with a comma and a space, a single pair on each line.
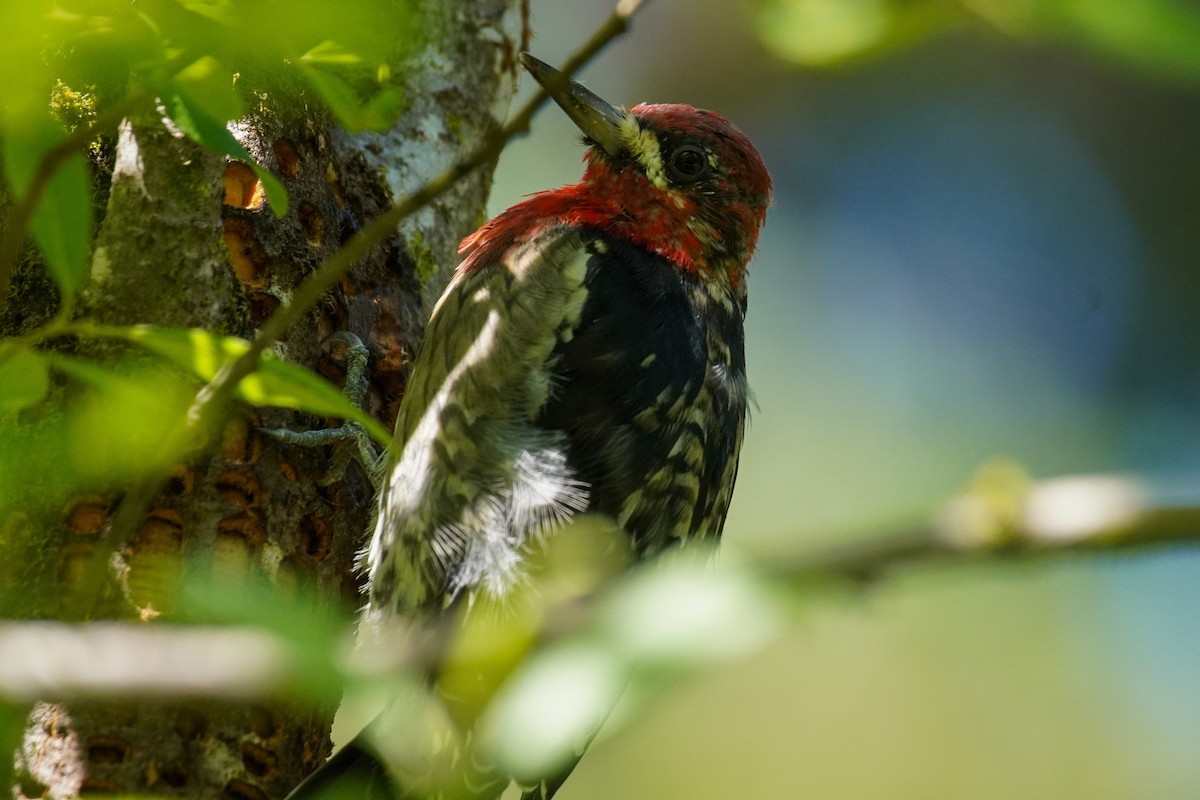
688, 163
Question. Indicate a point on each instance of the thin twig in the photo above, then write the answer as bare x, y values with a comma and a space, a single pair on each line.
1089, 514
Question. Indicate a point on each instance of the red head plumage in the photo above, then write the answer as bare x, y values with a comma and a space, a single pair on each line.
680, 182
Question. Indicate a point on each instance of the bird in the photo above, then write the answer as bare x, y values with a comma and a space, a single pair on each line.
586, 360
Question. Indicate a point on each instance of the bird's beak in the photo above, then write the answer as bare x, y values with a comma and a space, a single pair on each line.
599, 120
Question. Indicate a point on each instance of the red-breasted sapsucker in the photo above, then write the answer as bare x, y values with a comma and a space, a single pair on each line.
586, 357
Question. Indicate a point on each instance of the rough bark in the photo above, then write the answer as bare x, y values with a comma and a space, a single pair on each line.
186, 241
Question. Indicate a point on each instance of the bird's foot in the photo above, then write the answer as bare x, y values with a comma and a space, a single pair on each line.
349, 441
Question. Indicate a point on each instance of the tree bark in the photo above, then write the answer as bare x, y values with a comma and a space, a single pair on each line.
186, 240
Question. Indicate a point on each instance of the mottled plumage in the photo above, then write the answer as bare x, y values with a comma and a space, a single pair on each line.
587, 357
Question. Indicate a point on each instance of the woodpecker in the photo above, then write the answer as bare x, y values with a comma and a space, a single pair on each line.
587, 357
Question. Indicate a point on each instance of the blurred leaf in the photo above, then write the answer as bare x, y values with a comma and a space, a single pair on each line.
62, 224
132, 425
822, 33
554, 705
208, 86
375, 114
24, 379
318, 637
275, 383
369, 31
62, 221
1161, 37
328, 52
682, 613
25, 77
190, 114
675, 615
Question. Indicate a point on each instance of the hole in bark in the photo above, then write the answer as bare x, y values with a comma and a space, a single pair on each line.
315, 537
241, 443
245, 525
262, 305
243, 189
332, 316
175, 775
313, 224
154, 565
88, 515
287, 157
240, 488
182, 481
262, 722
240, 790
246, 256
160, 531
91, 786
107, 750
259, 761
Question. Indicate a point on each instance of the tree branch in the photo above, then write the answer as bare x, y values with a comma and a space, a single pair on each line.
47, 660
1005, 518
1005, 515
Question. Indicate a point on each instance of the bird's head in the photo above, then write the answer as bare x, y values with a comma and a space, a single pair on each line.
689, 185
678, 181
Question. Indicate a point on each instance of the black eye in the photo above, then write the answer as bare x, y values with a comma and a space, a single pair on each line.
688, 163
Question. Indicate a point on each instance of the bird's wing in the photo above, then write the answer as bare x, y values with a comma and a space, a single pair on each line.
651, 393
475, 475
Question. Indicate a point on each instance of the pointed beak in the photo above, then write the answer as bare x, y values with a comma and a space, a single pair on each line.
599, 120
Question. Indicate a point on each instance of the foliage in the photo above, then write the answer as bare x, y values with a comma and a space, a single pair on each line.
1155, 37
70, 72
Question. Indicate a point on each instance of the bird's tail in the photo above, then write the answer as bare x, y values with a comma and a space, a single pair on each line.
354, 771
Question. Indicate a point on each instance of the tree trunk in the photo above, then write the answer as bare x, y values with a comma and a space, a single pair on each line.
187, 241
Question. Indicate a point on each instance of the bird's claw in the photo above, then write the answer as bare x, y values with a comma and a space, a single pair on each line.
349, 441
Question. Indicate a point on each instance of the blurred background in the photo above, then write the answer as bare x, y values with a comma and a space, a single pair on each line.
985, 244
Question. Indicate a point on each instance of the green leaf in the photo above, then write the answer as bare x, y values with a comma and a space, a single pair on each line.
133, 423
275, 383
339, 97
209, 87
375, 114
552, 704
191, 115
315, 634
328, 52
1158, 37
62, 224
62, 221
24, 379
684, 614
